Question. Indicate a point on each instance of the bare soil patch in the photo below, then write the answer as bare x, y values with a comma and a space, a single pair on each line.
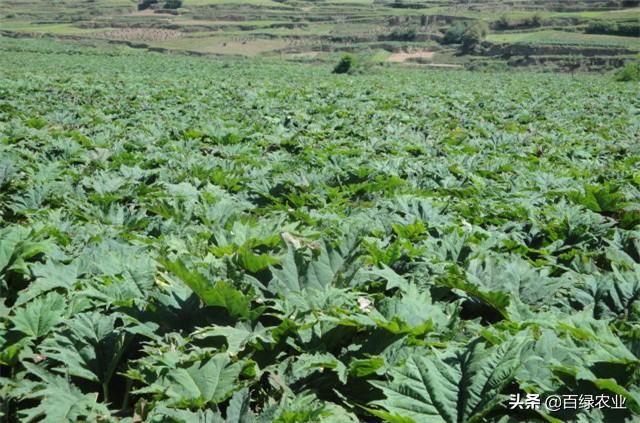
402, 57
303, 54
150, 12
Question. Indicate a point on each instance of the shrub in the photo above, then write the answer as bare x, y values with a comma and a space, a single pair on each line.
173, 4
403, 34
473, 36
454, 33
630, 29
630, 72
504, 22
145, 4
359, 64
534, 21
345, 65
600, 27
488, 66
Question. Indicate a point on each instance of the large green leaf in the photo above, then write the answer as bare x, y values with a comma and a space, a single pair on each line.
49, 276
498, 299
301, 271
239, 410
600, 198
218, 294
17, 245
61, 401
455, 386
90, 348
237, 337
202, 383
615, 294
39, 316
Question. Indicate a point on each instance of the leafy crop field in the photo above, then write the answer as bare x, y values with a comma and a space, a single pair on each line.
197, 240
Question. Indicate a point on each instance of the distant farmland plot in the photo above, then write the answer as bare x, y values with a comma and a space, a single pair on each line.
226, 2
564, 37
225, 45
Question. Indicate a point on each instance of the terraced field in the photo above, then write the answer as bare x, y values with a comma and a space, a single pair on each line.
294, 29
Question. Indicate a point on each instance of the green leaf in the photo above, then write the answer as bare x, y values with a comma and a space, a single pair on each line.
238, 410
393, 279
221, 294
600, 198
611, 385
237, 337
10, 237
17, 245
365, 367
414, 309
49, 276
61, 401
614, 294
39, 316
255, 262
161, 413
207, 382
308, 363
497, 299
455, 386
515, 276
301, 273
90, 348
389, 417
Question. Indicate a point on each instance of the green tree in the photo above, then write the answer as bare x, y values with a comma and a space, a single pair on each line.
454, 33
145, 4
473, 36
173, 4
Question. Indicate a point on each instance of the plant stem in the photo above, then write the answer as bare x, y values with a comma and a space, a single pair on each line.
125, 400
105, 392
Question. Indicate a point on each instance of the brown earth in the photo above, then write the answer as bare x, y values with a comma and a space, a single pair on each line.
402, 57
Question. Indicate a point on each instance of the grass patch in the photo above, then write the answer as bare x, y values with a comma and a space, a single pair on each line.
225, 45
60, 29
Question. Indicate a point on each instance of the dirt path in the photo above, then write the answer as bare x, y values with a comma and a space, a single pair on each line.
441, 65
402, 57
